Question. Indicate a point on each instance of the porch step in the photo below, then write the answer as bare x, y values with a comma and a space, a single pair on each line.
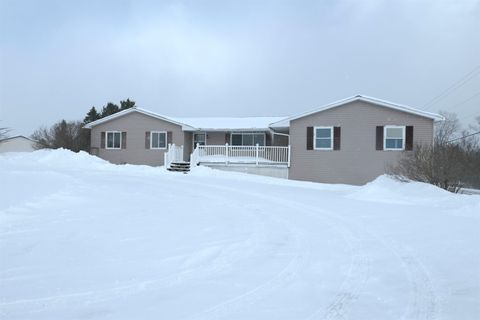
179, 167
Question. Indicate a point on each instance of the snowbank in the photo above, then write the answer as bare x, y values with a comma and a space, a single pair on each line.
84, 239
53, 159
389, 190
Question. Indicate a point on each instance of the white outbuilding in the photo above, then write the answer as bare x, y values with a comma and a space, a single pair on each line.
17, 144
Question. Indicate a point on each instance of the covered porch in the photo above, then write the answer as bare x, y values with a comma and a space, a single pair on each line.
258, 155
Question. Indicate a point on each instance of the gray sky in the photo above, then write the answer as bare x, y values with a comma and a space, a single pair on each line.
233, 58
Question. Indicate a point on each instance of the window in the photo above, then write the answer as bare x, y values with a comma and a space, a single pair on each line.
158, 140
248, 139
200, 139
114, 140
394, 138
323, 138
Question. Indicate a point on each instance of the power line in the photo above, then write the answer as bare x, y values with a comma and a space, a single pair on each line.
468, 135
466, 100
458, 84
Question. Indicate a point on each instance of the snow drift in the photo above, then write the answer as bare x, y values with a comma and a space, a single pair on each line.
82, 238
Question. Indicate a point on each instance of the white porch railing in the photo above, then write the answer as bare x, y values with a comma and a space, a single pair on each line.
258, 155
194, 157
173, 154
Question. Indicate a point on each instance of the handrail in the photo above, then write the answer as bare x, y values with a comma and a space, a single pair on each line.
173, 154
258, 155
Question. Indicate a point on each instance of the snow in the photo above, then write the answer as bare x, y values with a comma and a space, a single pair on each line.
228, 123
84, 239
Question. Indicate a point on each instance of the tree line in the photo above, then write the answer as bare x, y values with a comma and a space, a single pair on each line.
71, 134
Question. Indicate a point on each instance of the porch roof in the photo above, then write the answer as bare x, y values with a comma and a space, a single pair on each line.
227, 123
201, 123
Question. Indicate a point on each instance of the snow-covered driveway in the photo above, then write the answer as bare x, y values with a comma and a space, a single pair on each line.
83, 239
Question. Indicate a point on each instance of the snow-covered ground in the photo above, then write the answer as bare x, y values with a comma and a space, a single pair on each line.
84, 239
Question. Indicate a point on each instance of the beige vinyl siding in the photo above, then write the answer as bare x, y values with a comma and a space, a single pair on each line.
280, 140
135, 124
215, 138
187, 145
357, 161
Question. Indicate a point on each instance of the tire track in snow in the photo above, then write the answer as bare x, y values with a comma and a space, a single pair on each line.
423, 303
264, 289
358, 271
214, 266
268, 287
355, 280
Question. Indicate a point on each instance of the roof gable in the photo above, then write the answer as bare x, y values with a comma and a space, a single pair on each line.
199, 123
131, 110
375, 101
16, 138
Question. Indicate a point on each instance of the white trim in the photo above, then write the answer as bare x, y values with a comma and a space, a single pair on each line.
106, 139
385, 137
177, 121
250, 133
16, 137
139, 110
151, 140
315, 138
286, 122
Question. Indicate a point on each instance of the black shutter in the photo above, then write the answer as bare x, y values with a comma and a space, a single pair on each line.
147, 139
309, 138
102, 140
169, 137
124, 140
379, 143
409, 138
336, 138
227, 138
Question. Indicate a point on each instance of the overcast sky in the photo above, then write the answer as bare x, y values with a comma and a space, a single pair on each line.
233, 58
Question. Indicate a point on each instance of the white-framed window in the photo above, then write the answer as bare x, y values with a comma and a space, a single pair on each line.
394, 138
323, 138
247, 138
158, 139
113, 140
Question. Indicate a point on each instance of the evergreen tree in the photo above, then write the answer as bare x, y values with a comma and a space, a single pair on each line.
127, 104
109, 109
91, 116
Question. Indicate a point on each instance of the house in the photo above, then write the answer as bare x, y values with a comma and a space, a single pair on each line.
139, 136
17, 144
354, 140
349, 141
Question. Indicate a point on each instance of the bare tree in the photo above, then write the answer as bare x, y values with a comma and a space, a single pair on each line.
4, 132
446, 130
451, 163
69, 135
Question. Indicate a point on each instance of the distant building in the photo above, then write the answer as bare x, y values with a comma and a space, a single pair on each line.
17, 144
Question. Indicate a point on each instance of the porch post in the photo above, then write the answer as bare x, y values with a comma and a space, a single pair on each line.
288, 156
226, 153
256, 154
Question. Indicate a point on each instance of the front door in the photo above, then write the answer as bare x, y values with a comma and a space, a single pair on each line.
199, 138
